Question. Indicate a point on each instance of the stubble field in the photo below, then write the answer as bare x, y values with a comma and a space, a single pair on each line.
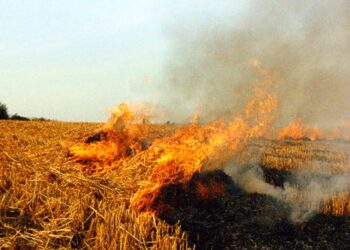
47, 201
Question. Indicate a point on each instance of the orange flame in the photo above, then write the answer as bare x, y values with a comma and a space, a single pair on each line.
121, 138
297, 131
193, 148
196, 148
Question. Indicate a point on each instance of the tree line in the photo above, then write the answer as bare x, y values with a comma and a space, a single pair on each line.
4, 115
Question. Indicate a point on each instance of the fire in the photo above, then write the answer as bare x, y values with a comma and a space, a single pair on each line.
122, 137
193, 148
197, 148
297, 131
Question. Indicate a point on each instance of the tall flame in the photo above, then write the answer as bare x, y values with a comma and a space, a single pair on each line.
196, 148
192, 148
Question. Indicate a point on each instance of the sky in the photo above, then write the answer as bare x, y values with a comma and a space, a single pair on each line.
72, 60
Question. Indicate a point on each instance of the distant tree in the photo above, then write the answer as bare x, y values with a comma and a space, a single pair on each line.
19, 117
3, 112
40, 119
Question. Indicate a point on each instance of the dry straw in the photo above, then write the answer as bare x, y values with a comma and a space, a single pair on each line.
47, 202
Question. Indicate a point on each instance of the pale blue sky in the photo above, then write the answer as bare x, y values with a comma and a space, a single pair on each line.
73, 59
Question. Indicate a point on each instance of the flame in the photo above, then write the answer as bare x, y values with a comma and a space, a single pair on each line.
176, 158
196, 148
122, 137
295, 130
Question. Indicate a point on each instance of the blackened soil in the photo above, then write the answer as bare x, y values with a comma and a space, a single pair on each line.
280, 177
237, 220
277, 177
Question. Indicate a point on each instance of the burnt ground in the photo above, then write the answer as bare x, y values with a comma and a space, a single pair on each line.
236, 220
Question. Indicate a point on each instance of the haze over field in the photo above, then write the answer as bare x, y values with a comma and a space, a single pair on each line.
71, 61
305, 42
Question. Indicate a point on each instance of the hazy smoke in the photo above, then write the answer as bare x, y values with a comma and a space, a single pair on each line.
305, 196
307, 42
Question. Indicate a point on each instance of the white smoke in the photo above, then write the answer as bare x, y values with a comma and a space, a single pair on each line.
305, 196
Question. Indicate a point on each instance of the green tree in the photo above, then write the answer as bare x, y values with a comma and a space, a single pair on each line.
3, 112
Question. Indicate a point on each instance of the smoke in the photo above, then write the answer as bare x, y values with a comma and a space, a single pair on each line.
305, 195
307, 42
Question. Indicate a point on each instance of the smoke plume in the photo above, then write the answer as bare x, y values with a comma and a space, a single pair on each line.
305, 195
306, 42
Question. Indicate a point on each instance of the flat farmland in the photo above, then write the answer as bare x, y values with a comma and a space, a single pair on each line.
47, 201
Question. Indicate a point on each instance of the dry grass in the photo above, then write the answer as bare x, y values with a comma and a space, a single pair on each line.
308, 156
323, 157
47, 202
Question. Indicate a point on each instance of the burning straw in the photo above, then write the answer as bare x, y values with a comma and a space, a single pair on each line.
196, 148
191, 149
